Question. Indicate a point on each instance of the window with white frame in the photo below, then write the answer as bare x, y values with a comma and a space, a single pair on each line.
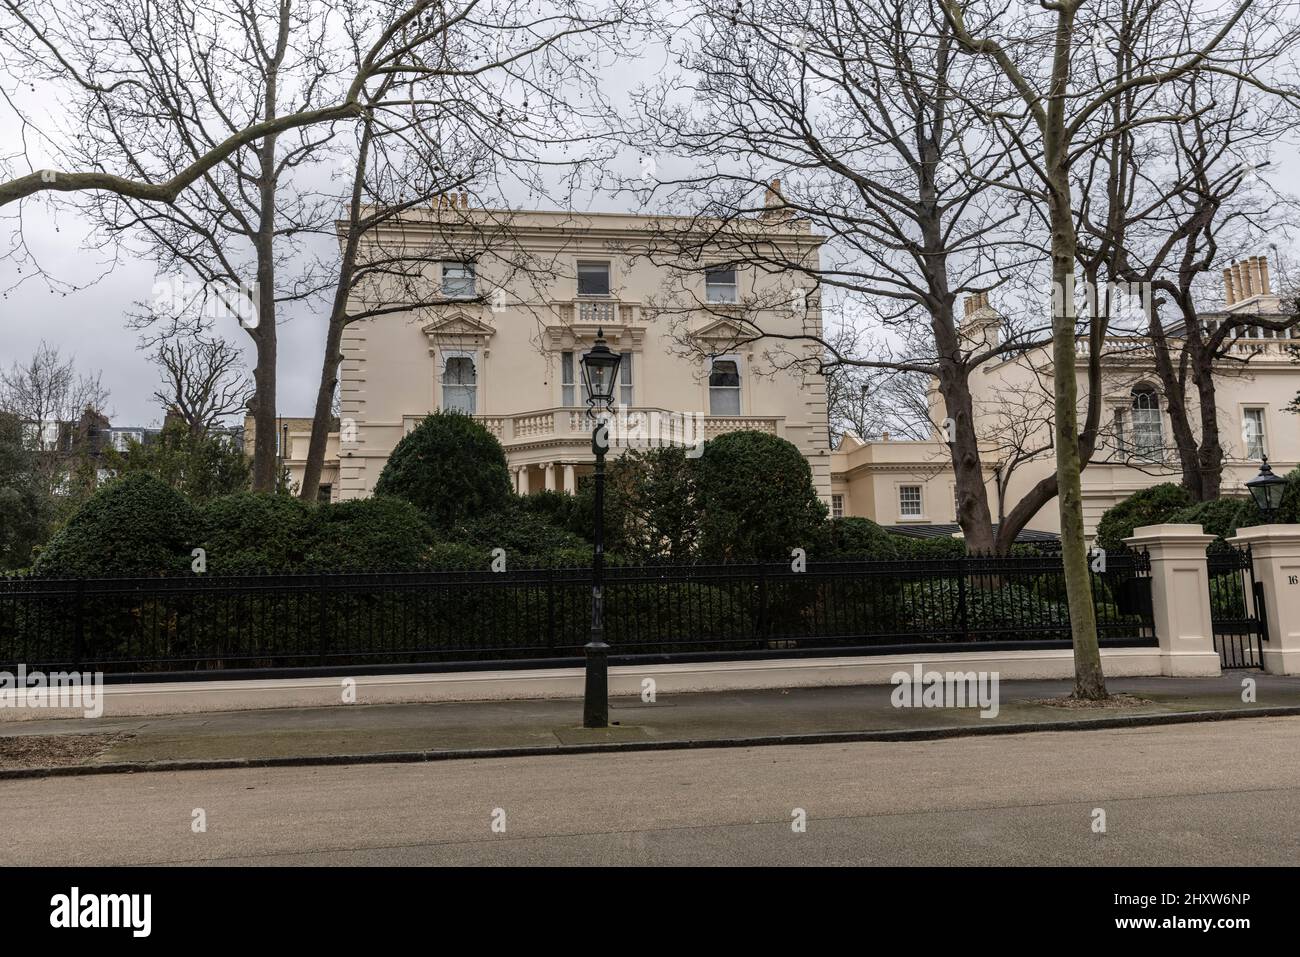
909, 501
1252, 431
1148, 429
459, 382
1119, 420
625, 380
720, 284
458, 280
724, 386
568, 384
837, 506
593, 278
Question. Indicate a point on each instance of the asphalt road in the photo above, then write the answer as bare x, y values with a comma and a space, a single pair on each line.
1199, 794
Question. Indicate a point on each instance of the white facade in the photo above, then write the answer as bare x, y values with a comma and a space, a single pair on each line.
535, 294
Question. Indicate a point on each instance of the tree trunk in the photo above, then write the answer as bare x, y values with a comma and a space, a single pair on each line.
1210, 458
1089, 681
323, 416
972, 496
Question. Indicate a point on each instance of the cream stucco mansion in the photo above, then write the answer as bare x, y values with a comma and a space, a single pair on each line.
523, 297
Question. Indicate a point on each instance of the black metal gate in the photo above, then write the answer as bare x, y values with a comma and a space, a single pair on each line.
1236, 608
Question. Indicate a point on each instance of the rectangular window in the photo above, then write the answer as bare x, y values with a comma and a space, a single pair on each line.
459, 384
909, 501
593, 279
724, 387
323, 493
567, 392
1252, 430
458, 280
1121, 442
625, 380
837, 506
720, 285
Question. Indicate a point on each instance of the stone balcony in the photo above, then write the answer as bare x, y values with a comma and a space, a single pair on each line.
542, 444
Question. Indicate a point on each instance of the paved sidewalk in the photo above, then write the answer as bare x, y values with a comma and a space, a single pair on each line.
479, 728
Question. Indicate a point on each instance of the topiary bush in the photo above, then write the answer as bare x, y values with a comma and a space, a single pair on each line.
136, 525
451, 468
859, 538
252, 531
1151, 506
368, 534
756, 499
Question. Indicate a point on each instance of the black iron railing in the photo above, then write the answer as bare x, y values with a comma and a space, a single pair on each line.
1236, 607
389, 620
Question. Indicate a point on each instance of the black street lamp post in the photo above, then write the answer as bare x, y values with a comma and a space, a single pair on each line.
1267, 490
600, 372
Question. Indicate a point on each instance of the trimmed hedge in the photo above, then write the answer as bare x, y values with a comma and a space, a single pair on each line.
136, 525
756, 499
1151, 506
451, 468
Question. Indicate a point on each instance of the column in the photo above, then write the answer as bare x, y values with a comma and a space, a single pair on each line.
1276, 553
1180, 597
570, 479
523, 480
550, 476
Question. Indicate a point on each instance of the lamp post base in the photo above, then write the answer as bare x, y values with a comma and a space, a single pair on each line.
595, 702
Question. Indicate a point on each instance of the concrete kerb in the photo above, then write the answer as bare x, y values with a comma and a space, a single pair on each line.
830, 737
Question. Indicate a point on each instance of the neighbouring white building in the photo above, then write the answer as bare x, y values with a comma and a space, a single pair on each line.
912, 482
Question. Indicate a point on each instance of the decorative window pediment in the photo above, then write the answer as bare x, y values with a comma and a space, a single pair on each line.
722, 335
458, 328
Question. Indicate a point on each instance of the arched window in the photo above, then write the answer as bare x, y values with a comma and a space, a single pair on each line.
460, 383
1148, 431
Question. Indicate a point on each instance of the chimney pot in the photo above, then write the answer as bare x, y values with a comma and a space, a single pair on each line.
1229, 287
1265, 286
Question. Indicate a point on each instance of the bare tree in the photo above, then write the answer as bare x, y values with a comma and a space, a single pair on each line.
204, 382
857, 121
91, 48
47, 394
1190, 213
1038, 57
465, 136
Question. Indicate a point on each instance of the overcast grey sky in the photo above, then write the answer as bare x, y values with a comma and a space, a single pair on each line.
90, 323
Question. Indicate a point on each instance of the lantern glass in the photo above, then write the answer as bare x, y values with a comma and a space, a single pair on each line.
600, 371
1267, 490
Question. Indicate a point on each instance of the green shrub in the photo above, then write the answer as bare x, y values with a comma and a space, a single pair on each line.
1220, 517
914, 548
1289, 511
1151, 506
252, 531
655, 504
528, 539
756, 499
860, 538
376, 534
451, 468
136, 525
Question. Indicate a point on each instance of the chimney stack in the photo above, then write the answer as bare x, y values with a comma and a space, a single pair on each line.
1229, 287
1246, 280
